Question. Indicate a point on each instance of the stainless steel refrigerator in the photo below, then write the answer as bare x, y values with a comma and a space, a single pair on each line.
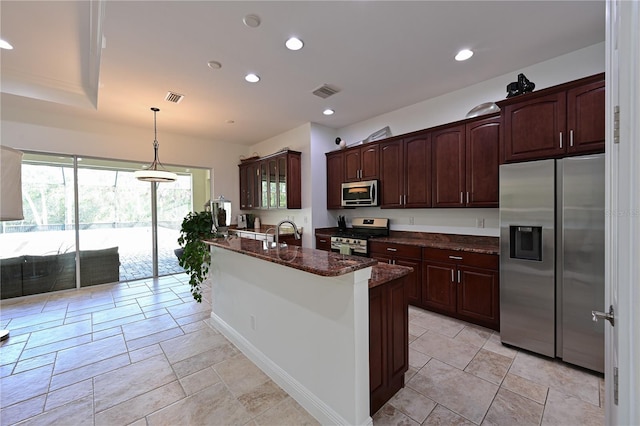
552, 258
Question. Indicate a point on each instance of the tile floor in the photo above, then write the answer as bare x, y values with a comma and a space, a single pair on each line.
144, 353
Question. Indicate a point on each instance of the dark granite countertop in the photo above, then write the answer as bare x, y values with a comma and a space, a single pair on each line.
319, 262
383, 273
470, 243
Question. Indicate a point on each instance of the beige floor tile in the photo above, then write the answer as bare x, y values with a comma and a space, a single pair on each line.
214, 402
413, 404
118, 322
435, 322
56, 346
53, 334
262, 398
494, 344
127, 382
154, 338
441, 416
563, 409
602, 391
287, 413
89, 353
445, 349
416, 330
388, 415
141, 406
116, 313
33, 318
146, 352
97, 368
460, 392
489, 366
11, 350
79, 412
417, 359
410, 373
22, 386
509, 408
35, 362
474, 335
22, 410
526, 388
142, 328
199, 380
205, 359
240, 374
188, 345
68, 394
557, 375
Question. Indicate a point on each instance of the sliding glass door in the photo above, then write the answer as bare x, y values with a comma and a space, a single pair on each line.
97, 209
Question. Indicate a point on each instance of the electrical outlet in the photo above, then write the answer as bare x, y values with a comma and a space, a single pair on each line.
479, 222
410, 220
253, 322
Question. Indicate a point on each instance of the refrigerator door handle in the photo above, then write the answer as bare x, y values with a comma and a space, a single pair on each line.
609, 316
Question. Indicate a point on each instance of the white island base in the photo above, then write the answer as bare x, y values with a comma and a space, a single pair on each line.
309, 333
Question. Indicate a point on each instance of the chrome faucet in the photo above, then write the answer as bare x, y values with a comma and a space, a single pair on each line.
295, 231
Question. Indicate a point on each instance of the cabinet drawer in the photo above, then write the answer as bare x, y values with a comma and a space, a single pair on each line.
479, 260
399, 250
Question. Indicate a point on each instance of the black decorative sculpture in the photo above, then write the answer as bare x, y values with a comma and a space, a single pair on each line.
523, 85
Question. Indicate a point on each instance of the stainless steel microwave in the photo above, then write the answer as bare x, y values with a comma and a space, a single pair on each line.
360, 194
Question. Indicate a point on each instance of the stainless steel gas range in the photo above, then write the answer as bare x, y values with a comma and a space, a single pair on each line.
356, 239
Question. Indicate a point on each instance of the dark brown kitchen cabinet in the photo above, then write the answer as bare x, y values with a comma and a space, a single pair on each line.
561, 120
272, 182
361, 163
335, 178
388, 341
404, 255
482, 151
448, 166
463, 285
466, 163
249, 185
405, 178
323, 243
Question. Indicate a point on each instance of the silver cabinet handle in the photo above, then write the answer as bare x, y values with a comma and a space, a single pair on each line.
571, 138
467, 197
455, 257
400, 202
323, 241
459, 276
391, 249
405, 199
560, 140
461, 197
452, 278
389, 261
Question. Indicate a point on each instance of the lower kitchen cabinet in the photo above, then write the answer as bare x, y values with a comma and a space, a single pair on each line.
388, 341
463, 285
323, 243
404, 255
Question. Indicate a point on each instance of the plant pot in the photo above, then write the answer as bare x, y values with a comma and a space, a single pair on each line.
178, 252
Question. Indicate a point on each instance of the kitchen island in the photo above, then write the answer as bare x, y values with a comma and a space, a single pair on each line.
302, 315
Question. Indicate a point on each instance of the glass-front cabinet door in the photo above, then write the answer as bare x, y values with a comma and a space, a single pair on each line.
273, 183
264, 185
282, 182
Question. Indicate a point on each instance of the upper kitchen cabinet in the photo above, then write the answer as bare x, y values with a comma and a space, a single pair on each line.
561, 120
465, 164
335, 177
405, 178
249, 185
271, 182
361, 163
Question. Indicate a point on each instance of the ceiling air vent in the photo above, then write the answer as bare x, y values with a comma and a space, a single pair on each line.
173, 97
325, 91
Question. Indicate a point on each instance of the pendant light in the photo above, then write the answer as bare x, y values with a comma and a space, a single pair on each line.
155, 172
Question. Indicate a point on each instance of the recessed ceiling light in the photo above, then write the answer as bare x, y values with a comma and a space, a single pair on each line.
294, 43
464, 54
5, 45
328, 111
252, 78
251, 21
214, 65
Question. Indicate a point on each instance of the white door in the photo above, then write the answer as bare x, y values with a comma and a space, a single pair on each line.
622, 283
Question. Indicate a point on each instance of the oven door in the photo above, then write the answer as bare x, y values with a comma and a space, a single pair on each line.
360, 193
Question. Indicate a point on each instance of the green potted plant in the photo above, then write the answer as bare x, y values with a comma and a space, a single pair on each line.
196, 256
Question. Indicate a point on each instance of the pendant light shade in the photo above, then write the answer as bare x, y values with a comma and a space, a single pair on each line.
155, 172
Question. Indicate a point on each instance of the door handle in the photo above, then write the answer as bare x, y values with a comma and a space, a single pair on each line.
459, 276
391, 249
560, 140
453, 280
609, 316
571, 138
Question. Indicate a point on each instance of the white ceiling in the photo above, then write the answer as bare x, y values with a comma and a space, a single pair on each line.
382, 55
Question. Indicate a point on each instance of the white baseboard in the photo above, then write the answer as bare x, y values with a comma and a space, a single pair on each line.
307, 399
